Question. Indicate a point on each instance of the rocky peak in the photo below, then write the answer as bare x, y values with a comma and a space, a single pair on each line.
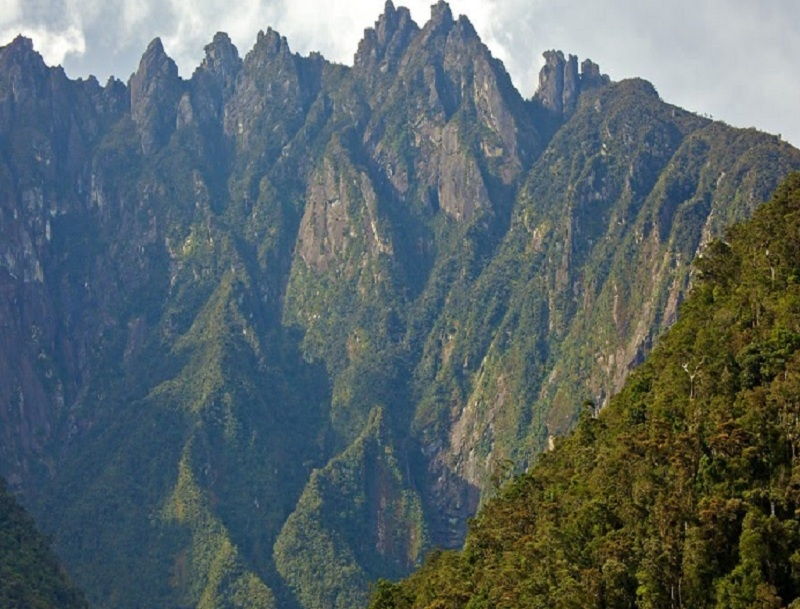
271, 44
222, 58
270, 55
465, 59
115, 99
591, 76
155, 89
465, 28
441, 14
551, 81
23, 68
274, 90
155, 59
384, 44
560, 84
439, 25
20, 52
21, 46
212, 83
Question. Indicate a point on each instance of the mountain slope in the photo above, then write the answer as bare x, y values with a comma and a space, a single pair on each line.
30, 577
212, 286
590, 272
683, 491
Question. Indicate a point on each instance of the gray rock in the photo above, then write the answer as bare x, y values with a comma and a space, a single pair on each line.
560, 85
155, 89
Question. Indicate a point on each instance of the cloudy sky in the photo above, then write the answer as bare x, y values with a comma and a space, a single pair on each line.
734, 59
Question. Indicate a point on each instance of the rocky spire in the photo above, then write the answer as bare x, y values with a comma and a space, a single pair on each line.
591, 76
274, 89
384, 44
572, 85
155, 89
23, 68
270, 44
222, 60
466, 29
551, 82
21, 46
560, 84
441, 13
212, 83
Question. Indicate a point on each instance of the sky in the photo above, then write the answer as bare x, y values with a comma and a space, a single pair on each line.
736, 60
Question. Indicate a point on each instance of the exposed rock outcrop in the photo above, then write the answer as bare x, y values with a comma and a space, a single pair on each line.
155, 90
383, 45
213, 82
560, 85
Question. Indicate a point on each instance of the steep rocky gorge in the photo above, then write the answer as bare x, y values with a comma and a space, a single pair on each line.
271, 332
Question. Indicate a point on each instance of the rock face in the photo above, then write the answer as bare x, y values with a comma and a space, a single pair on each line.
288, 296
155, 89
212, 83
341, 223
384, 45
560, 85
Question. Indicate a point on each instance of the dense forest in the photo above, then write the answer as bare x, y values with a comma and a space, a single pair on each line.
685, 490
30, 576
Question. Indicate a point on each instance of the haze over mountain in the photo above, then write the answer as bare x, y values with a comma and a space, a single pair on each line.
274, 331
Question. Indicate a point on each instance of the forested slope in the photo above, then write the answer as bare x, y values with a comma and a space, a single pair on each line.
685, 490
30, 576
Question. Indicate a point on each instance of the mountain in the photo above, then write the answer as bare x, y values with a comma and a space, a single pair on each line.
683, 491
30, 577
273, 331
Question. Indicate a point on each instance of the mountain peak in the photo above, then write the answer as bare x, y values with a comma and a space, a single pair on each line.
384, 43
591, 75
155, 48
21, 43
155, 63
222, 55
272, 42
214, 79
154, 90
23, 68
560, 83
21, 48
220, 40
439, 24
441, 13
466, 27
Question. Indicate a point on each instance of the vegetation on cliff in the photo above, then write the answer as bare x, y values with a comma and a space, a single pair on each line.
683, 492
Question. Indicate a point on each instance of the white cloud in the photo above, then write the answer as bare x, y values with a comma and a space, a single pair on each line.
53, 46
134, 12
10, 11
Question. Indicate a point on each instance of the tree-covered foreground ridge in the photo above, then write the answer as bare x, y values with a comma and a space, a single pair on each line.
685, 490
30, 576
